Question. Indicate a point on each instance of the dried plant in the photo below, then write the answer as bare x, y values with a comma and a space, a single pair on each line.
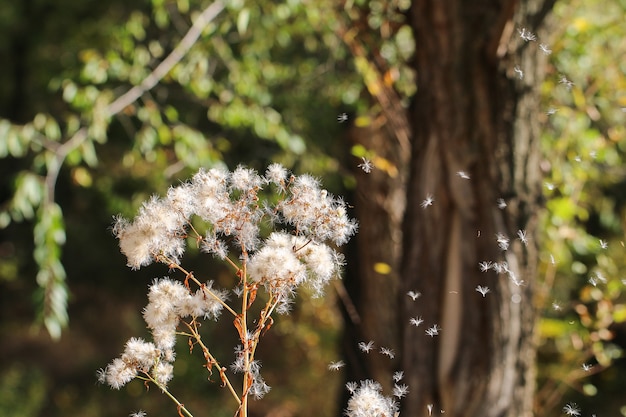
306, 223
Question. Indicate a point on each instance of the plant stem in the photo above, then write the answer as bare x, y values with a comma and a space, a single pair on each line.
211, 362
243, 410
181, 406
207, 290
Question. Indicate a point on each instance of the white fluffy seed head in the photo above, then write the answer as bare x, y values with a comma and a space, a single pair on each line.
140, 353
164, 299
321, 261
228, 202
202, 304
368, 401
163, 373
245, 179
164, 337
276, 265
210, 190
315, 213
286, 261
276, 174
157, 230
182, 200
118, 373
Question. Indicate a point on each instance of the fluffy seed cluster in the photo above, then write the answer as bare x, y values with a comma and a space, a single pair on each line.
368, 401
168, 302
316, 214
285, 261
138, 356
304, 218
259, 387
229, 203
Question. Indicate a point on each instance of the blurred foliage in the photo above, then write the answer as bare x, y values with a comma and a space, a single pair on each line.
234, 85
583, 331
275, 72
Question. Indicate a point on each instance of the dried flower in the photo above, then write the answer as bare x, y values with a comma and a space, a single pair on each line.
482, 290
428, 201
368, 401
433, 330
414, 295
545, 49
571, 409
306, 218
366, 347
526, 35
387, 352
366, 165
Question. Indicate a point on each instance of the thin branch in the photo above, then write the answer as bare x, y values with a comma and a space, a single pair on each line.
190, 275
347, 302
168, 63
181, 406
59, 156
192, 35
211, 361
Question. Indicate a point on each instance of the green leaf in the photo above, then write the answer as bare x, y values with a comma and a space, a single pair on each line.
49, 236
553, 328
5, 128
242, 20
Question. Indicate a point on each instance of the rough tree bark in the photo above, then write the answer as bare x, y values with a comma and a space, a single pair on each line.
473, 114
373, 280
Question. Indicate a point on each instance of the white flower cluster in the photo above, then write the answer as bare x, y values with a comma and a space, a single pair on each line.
138, 356
314, 213
228, 202
368, 401
169, 301
286, 261
304, 217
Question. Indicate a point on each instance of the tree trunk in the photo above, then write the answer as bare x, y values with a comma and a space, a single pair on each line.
472, 116
373, 276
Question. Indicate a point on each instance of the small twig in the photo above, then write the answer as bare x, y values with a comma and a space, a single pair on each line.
189, 275
133, 94
168, 63
243, 410
212, 361
179, 405
347, 302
